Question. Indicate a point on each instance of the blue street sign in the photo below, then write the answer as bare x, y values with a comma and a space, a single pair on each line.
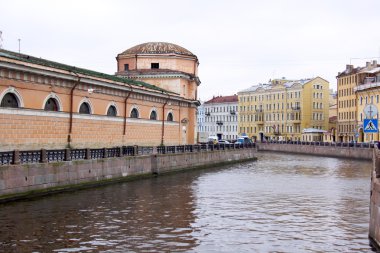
370, 126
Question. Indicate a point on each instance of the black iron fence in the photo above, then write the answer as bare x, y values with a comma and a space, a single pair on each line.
329, 144
48, 156
6, 157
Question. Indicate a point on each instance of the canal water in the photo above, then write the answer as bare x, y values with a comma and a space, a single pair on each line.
280, 203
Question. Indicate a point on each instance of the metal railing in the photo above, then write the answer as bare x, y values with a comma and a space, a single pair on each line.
6, 157
55, 155
48, 156
32, 156
329, 144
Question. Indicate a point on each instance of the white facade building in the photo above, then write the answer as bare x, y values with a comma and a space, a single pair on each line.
219, 117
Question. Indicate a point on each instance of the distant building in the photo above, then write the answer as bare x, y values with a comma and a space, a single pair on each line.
357, 87
282, 109
312, 134
218, 116
330, 135
202, 135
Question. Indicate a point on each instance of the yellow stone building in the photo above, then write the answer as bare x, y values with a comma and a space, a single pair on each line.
330, 135
281, 110
357, 87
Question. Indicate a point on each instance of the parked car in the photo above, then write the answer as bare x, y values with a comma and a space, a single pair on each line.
244, 140
223, 142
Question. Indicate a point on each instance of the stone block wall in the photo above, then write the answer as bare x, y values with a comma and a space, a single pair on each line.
18, 181
374, 223
329, 151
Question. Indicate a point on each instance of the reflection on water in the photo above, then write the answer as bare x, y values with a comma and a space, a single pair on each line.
281, 203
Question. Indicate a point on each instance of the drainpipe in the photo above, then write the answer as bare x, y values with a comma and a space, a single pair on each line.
125, 109
163, 120
71, 108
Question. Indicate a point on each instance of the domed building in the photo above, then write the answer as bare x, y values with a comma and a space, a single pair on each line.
151, 101
165, 65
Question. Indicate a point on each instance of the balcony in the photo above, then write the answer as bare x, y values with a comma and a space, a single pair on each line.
296, 108
207, 114
232, 112
219, 123
259, 110
259, 122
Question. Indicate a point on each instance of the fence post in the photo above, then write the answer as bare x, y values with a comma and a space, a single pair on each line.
120, 151
135, 150
88, 154
43, 156
16, 156
105, 155
67, 154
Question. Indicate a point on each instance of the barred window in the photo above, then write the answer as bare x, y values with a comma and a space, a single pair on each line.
51, 105
153, 115
112, 111
9, 100
84, 108
134, 113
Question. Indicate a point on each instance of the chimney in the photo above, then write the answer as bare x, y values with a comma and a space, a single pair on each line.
368, 64
349, 68
374, 63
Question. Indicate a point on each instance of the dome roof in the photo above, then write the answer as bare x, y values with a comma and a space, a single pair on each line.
158, 48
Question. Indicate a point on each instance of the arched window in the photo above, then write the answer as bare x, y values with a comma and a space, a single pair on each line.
112, 111
153, 115
84, 108
134, 113
9, 100
170, 116
51, 105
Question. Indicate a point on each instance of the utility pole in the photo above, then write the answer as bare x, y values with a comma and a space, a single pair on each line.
19, 46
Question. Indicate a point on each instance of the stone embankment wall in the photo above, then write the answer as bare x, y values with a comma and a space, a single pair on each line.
20, 181
374, 223
329, 151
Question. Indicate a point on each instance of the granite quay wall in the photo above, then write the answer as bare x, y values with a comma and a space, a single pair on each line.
340, 150
374, 223
39, 174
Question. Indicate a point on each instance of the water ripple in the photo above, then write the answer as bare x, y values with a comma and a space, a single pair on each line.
281, 203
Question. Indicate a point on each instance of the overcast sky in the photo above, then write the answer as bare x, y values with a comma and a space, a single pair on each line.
238, 43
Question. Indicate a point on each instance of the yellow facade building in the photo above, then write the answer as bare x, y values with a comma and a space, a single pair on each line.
357, 87
281, 110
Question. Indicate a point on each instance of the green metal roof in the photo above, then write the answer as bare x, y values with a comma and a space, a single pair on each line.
57, 65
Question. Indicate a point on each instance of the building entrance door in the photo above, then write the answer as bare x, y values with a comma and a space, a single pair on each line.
261, 137
361, 135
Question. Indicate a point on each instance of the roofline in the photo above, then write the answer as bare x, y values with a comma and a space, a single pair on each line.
145, 55
56, 65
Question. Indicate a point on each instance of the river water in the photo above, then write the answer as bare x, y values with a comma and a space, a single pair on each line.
280, 203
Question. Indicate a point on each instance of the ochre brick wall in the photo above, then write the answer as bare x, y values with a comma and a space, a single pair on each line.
32, 132
26, 132
30, 127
